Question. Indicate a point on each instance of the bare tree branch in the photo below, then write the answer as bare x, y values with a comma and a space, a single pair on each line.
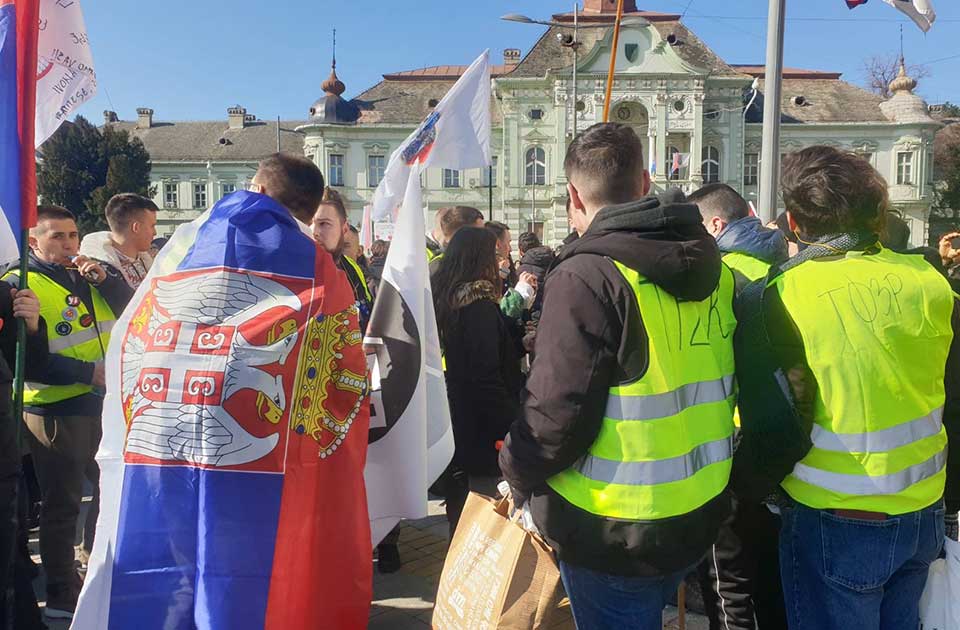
880, 70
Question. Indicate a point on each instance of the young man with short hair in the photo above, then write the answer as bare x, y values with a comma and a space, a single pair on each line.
625, 446
526, 242
62, 408
293, 181
746, 245
125, 249
849, 374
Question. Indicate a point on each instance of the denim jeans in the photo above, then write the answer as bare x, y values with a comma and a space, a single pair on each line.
601, 601
853, 574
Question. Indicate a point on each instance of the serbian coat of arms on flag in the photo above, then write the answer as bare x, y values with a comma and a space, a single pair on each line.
235, 436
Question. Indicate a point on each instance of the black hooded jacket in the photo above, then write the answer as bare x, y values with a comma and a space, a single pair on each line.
591, 337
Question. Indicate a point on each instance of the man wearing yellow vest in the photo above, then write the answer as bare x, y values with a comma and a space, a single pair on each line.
740, 577
624, 450
62, 409
863, 350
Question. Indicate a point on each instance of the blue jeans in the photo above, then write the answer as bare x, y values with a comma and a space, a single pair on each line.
601, 601
853, 574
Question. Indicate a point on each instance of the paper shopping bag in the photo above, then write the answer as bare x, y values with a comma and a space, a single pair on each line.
497, 575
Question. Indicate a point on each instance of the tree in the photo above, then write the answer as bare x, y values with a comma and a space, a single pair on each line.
946, 195
880, 70
82, 167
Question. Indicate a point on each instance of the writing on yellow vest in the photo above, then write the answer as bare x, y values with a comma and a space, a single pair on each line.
72, 331
876, 332
666, 439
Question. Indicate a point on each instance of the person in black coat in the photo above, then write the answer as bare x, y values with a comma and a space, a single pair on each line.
482, 363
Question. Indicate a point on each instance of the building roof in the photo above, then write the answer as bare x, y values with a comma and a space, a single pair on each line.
788, 73
408, 102
823, 101
435, 73
186, 141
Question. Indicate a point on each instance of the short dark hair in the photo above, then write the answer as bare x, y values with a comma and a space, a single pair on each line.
456, 217
607, 161
293, 181
353, 228
498, 229
379, 248
720, 200
527, 241
332, 198
896, 233
125, 208
51, 212
829, 191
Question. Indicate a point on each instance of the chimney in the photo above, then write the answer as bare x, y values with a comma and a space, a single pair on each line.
109, 117
237, 117
144, 117
511, 56
608, 6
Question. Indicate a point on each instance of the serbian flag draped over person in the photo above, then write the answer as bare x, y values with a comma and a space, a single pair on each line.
234, 437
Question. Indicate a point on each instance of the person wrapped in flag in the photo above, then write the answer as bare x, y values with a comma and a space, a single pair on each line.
235, 429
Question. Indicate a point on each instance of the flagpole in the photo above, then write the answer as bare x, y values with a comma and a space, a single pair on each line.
613, 63
773, 89
21, 356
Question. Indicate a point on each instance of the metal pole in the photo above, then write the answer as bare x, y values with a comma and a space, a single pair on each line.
21, 355
773, 88
490, 192
613, 61
278, 134
576, 47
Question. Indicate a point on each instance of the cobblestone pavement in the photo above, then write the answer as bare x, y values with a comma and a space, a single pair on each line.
404, 600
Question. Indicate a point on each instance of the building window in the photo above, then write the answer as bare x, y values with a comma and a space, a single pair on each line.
200, 196
536, 169
710, 165
226, 188
376, 166
487, 179
170, 196
451, 178
335, 169
905, 168
751, 169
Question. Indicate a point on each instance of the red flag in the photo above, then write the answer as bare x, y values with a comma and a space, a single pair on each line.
28, 31
851, 4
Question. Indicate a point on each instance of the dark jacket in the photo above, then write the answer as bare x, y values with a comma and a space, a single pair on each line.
591, 337
61, 370
749, 236
37, 352
537, 261
484, 380
778, 393
359, 287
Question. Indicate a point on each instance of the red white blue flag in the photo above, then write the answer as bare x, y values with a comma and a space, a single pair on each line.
18, 71
234, 437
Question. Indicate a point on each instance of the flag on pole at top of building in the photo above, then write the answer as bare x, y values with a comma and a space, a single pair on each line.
456, 135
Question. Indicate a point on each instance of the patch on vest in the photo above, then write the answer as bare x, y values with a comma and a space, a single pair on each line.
86, 320
70, 314
64, 328
73, 300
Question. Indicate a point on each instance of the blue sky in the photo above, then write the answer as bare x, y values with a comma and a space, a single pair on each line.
190, 60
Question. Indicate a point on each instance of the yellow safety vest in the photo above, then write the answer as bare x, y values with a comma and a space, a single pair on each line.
665, 443
876, 332
363, 279
750, 267
72, 331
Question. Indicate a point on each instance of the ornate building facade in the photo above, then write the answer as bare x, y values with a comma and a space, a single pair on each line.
699, 118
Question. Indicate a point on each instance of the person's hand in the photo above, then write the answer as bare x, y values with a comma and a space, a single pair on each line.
26, 305
529, 278
948, 254
90, 269
99, 378
952, 526
530, 340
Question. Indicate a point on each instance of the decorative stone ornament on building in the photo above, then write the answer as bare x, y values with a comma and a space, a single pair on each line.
676, 93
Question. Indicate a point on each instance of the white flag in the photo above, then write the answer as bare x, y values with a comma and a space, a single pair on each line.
411, 439
65, 76
920, 11
456, 135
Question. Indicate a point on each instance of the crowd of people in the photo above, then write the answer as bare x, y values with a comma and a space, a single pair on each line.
675, 390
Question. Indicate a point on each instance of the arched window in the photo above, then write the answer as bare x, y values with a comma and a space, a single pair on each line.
536, 167
710, 164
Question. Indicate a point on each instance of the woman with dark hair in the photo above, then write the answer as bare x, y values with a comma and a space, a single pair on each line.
482, 363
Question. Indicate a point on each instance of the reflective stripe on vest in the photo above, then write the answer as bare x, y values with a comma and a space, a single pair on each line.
665, 443
363, 280
876, 330
82, 343
750, 267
